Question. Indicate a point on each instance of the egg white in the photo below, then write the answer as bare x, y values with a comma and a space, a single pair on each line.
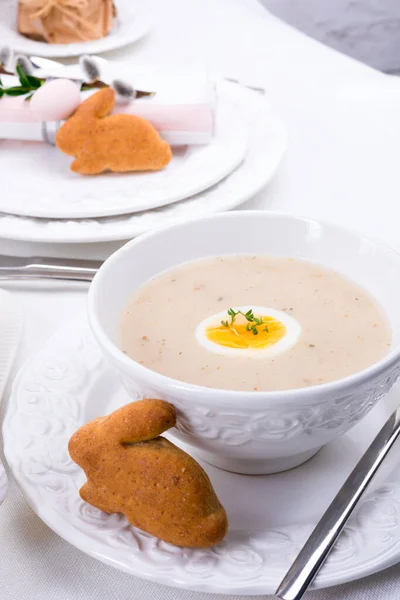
291, 337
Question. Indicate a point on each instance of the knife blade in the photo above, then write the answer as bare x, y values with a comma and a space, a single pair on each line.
321, 541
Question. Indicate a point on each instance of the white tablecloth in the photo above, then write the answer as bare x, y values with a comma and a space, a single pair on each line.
341, 166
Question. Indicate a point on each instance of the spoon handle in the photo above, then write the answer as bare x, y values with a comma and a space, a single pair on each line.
315, 551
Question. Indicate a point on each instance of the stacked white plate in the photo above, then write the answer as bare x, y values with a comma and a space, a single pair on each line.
43, 201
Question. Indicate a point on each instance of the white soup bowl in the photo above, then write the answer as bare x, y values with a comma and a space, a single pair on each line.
251, 432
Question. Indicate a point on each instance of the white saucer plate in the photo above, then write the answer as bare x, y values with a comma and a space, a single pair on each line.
11, 326
49, 189
67, 384
132, 23
267, 142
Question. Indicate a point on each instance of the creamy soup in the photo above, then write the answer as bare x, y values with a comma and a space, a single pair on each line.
253, 323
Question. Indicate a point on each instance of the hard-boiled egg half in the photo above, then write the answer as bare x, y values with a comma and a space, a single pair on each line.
252, 331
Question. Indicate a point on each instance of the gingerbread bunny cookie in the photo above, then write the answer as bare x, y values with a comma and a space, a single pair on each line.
132, 470
103, 142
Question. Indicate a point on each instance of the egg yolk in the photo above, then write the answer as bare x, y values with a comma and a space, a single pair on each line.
238, 336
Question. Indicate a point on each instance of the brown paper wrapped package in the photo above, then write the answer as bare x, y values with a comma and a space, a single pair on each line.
65, 21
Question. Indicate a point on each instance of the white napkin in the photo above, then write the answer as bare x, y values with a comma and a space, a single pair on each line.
182, 109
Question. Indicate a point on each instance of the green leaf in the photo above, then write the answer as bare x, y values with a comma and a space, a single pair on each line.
16, 91
1, 92
28, 81
232, 313
22, 76
34, 82
254, 330
28, 97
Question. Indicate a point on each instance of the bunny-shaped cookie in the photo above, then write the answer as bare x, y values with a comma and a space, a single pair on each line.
132, 470
103, 142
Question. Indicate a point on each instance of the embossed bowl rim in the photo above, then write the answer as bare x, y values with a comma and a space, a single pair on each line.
334, 389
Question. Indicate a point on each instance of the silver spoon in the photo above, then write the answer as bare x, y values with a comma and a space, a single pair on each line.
13, 267
318, 546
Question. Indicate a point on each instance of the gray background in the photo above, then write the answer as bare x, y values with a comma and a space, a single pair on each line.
365, 29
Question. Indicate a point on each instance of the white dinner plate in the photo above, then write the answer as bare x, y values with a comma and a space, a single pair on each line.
67, 383
131, 24
267, 142
49, 189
